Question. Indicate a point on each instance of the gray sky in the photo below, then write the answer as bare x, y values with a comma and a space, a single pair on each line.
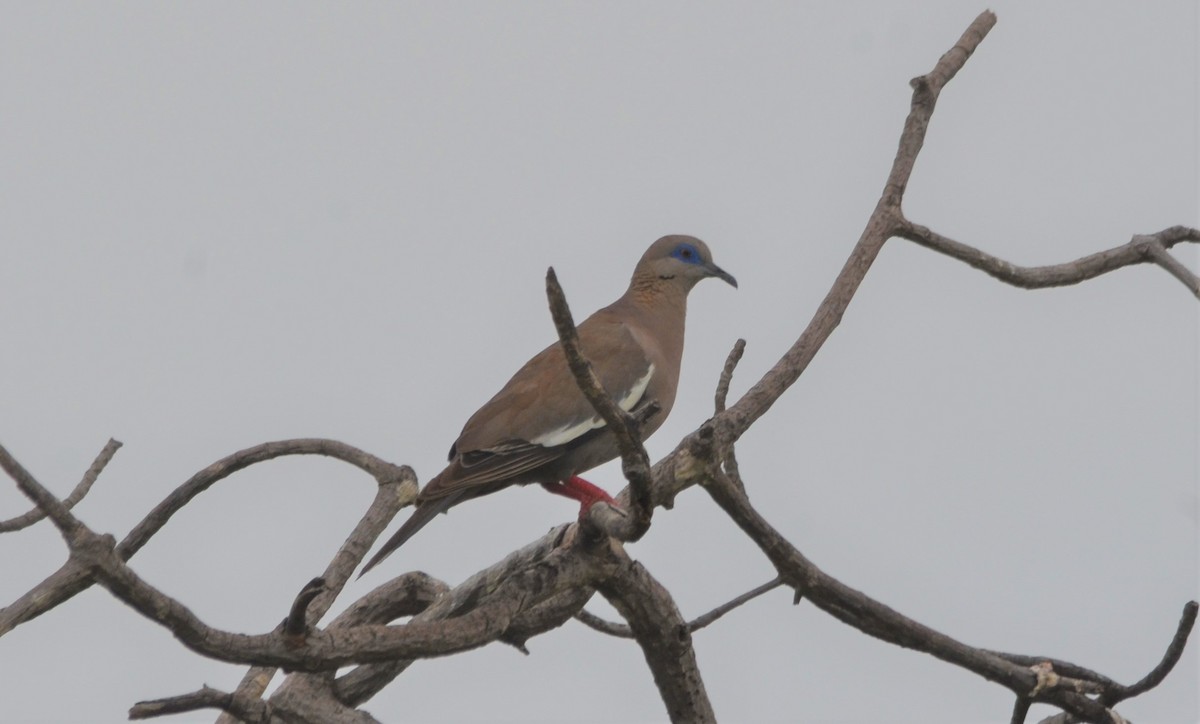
269, 221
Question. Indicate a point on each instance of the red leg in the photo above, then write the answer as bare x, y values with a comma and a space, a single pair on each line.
576, 488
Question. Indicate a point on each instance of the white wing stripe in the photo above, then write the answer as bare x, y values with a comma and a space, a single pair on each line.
566, 434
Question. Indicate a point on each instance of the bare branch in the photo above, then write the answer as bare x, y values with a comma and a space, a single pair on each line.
336, 647
731, 363
405, 595
321, 650
604, 626
383, 471
725, 608
390, 497
1065, 668
363, 682
1110, 692
81, 490
1157, 250
247, 710
623, 631
538, 588
67, 524
254, 682
296, 623
1170, 657
71, 578
635, 462
1141, 249
663, 635
883, 224
735, 355
874, 618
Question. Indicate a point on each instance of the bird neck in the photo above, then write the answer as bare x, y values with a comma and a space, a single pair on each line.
652, 295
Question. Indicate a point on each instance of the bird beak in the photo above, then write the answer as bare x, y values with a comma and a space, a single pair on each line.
721, 274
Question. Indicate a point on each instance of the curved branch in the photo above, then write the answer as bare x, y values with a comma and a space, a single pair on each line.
389, 499
876, 619
67, 524
883, 224
1170, 657
81, 489
1141, 249
71, 578
383, 471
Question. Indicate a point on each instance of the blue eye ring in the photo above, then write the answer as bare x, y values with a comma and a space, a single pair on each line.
687, 253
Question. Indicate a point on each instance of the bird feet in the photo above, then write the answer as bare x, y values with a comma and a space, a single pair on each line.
576, 488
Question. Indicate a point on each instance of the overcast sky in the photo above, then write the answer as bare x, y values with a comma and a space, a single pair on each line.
223, 225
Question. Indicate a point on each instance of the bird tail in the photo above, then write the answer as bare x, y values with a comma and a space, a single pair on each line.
421, 515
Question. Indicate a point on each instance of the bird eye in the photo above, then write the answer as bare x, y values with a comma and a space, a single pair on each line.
687, 253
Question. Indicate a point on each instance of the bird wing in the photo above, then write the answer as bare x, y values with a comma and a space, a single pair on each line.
540, 414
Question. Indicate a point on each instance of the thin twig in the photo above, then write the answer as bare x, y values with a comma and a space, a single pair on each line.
731, 363
603, 625
205, 698
51, 506
708, 618
621, 630
1141, 249
81, 489
728, 451
1170, 657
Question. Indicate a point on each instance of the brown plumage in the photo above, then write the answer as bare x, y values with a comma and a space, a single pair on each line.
540, 428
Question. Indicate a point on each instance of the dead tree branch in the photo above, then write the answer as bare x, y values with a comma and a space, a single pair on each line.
250, 710
882, 622
389, 499
70, 579
1141, 249
321, 650
621, 630
884, 223
81, 490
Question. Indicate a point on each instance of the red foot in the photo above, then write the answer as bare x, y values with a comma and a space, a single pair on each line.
576, 488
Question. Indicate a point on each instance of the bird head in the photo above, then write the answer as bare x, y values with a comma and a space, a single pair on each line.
678, 259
